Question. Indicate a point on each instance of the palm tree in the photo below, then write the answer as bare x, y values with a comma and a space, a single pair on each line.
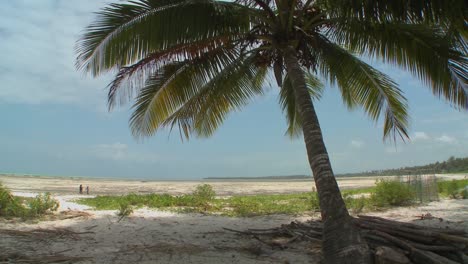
188, 63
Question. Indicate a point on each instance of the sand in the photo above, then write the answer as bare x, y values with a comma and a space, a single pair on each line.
115, 187
153, 236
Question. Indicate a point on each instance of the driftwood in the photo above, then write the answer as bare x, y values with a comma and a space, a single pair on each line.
420, 244
18, 258
73, 214
45, 234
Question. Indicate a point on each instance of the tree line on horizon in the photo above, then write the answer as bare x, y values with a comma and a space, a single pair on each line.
451, 165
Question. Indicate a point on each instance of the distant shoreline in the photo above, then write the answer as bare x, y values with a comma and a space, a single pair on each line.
294, 178
224, 187
91, 178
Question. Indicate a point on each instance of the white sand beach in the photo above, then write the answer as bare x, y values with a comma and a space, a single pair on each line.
153, 236
62, 185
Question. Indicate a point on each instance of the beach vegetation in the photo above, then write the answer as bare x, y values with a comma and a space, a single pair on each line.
454, 189
188, 64
384, 195
42, 204
25, 207
392, 193
203, 196
125, 210
357, 200
10, 206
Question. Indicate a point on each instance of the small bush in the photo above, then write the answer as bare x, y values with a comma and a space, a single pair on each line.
203, 196
454, 189
204, 192
392, 193
10, 206
125, 209
42, 204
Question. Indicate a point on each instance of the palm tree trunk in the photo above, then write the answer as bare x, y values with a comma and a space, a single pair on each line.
342, 242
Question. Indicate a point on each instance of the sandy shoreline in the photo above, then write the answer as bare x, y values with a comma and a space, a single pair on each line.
154, 236
62, 185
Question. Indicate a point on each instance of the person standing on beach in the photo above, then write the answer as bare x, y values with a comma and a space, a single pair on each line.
81, 189
87, 189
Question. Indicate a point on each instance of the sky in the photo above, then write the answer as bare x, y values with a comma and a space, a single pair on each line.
54, 119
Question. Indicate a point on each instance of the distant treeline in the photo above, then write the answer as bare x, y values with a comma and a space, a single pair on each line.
452, 165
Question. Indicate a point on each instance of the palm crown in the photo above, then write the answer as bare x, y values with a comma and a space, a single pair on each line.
190, 62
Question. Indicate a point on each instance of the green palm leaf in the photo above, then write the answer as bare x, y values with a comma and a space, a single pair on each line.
363, 86
425, 51
130, 78
171, 86
124, 33
229, 90
438, 11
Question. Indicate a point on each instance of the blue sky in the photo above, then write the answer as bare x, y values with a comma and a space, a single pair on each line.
54, 120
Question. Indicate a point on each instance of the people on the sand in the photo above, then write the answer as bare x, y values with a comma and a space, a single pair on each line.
87, 189
81, 188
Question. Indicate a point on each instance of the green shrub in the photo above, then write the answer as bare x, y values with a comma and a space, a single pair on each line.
125, 209
453, 189
42, 204
314, 201
203, 196
464, 194
204, 192
392, 193
10, 206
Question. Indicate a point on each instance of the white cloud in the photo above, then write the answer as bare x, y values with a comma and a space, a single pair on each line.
121, 152
420, 136
356, 143
37, 51
447, 139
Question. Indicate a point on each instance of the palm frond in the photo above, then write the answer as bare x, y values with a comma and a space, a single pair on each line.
231, 89
287, 102
130, 78
433, 11
125, 33
429, 53
171, 86
363, 86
